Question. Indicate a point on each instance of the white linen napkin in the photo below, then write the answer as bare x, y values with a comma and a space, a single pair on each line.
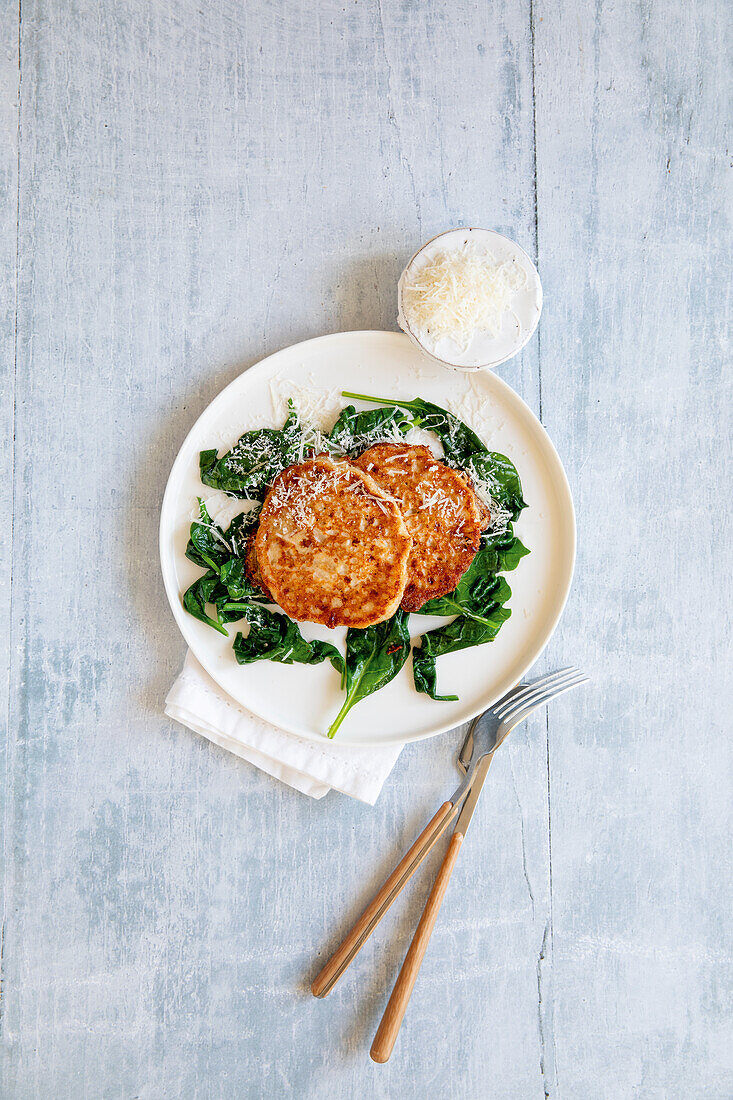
198, 702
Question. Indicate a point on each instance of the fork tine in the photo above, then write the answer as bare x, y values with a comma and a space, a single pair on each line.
520, 691
524, 709
507, 704
514, 702
523, 690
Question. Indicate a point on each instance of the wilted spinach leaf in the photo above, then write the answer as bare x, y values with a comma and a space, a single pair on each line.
458, 440
462, 633
374, 656
207, 545
241, 528
355, 431
237, 583
225, 579
203, 591
275, 637
477, 591
254, 460
509, 551
477, 601
498, 475
464, 449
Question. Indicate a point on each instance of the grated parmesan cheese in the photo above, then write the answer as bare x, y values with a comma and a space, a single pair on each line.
316, 406
460, 292
298, 493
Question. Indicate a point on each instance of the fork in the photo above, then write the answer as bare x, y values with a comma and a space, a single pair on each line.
514, 706
510, 711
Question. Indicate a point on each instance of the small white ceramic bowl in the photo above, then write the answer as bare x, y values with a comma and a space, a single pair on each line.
483, 352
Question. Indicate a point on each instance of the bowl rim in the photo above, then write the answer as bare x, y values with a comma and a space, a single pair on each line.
401, 316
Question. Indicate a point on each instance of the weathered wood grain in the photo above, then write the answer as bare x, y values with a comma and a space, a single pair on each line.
9, 97
633, 246
200, 185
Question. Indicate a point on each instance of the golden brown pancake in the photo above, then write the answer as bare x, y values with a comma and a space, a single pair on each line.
443, 514
331, 546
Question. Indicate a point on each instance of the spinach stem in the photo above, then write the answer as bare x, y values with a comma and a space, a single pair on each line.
459, 609
378, 400
349, 700
332, 729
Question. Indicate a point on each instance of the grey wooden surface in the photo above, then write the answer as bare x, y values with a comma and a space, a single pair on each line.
187, 187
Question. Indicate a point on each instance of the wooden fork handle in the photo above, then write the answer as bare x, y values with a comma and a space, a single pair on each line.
391, 1022
325, 980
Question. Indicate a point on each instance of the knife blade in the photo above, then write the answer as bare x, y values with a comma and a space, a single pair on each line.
482, 770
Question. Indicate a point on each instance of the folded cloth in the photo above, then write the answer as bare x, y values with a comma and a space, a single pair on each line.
312, 767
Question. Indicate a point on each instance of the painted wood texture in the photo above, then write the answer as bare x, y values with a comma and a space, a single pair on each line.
186, 188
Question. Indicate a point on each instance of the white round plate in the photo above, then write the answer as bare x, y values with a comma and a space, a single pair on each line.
304, 699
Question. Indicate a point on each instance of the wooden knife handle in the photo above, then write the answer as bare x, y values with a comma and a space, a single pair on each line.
380, 903
389, 1028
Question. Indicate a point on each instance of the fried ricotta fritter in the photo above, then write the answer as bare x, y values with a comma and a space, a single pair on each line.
443, 514
331, 545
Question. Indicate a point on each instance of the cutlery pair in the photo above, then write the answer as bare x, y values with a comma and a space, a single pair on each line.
486, 733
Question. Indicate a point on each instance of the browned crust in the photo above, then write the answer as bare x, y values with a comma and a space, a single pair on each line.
443, 514
331, 546
483, 508
252, 568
